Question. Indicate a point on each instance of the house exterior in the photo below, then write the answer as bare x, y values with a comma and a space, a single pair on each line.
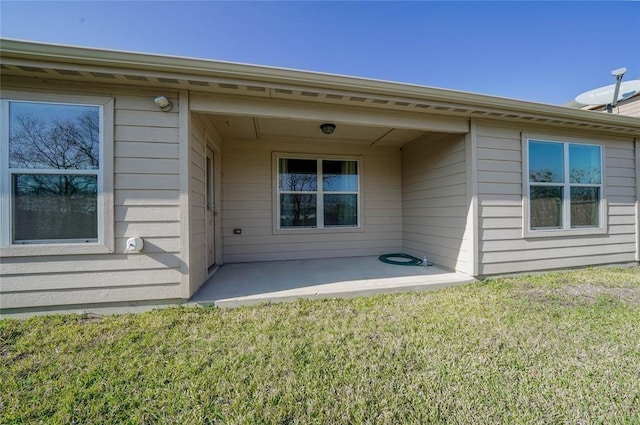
629, 106
237, 169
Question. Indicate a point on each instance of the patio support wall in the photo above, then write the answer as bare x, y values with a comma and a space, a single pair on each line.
248, 204
434, 201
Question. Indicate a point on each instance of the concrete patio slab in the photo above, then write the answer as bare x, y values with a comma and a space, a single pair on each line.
251, 283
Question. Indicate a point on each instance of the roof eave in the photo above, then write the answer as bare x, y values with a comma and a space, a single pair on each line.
190, 66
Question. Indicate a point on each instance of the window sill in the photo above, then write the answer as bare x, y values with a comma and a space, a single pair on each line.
34, 250
561, 233
315, 231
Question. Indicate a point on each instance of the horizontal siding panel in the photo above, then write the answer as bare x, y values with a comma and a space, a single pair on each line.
143, 213
147, 197
146, 118
147, 230
620, 163
383, 212
453, 222
551, 243
99, 295
240, 240
446, 256
436, 212
435, 173
621, 181
306, 255
153, 244
498, 143
147, 181
435, 192
456, 201
140, 103
248, 206
87, 263
445, 180
500, 188
145, 150
491, 199
146, 166
499, 155
557, 263
452, 241
621, 191
500, 223
499, 166
310, 246
516, 233
96, 279
499, 177
249, 194
620, 172
501, 211
486, 132
234, 222
130, 133
620, 153
551, 253
622, 219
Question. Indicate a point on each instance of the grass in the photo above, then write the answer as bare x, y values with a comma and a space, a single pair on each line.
548, 348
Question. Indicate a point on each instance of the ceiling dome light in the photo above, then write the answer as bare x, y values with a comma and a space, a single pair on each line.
328, 128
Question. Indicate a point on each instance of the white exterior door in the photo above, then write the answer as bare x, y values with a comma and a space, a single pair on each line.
211, 208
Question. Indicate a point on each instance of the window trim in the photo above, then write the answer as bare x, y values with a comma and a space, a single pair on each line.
527, 232
314, 230
106, 241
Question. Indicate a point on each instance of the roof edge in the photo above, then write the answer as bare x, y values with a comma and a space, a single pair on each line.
186, 65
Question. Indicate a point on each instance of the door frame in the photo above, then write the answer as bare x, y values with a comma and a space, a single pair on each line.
217, 222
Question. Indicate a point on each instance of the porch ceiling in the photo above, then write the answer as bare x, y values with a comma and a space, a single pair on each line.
259, 128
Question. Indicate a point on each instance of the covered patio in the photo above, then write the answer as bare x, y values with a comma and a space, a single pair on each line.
276, 281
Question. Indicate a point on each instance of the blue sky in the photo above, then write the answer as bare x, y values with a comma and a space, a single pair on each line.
539, 51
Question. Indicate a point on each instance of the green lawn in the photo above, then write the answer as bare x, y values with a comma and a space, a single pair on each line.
549, 348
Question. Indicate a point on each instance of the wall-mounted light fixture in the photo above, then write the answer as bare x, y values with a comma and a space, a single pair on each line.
163, 103
328, 128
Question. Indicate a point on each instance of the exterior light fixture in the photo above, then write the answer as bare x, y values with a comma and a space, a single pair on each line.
163, 103
328, 128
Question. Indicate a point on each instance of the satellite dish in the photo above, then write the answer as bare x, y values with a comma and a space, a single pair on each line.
604, 95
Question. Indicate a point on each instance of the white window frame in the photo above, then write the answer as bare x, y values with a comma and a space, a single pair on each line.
320, 228
105, 242
566, 229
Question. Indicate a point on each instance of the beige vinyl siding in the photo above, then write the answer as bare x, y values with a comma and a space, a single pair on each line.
200, 132
630, 107
146, 204
502, 247
434, 201
248, 204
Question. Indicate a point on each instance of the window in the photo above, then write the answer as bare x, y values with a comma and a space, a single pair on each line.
53, 173
317, 193
564, 186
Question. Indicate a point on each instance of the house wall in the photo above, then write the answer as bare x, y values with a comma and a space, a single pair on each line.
629, 107
201, 134
434, 201
146, 204
247, 204
502, 247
